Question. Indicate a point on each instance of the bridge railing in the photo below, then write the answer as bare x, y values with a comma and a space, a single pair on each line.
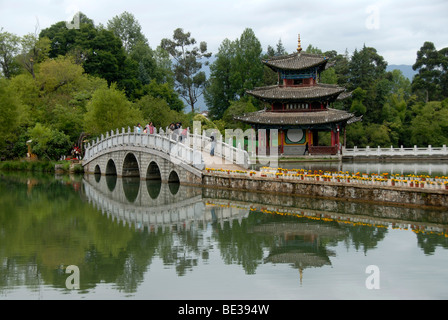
224, 150
378, 152
186, 149
178, 152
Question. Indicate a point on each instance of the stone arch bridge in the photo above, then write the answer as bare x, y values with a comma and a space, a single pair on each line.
158, 156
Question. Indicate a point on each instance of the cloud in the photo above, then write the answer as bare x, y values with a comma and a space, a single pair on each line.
402, 25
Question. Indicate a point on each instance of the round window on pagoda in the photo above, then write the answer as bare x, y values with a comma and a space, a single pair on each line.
295, 135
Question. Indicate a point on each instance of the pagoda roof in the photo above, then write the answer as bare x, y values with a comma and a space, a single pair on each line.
297, 93
324, 116
296, 61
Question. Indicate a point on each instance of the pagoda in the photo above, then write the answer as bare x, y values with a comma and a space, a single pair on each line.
299, 106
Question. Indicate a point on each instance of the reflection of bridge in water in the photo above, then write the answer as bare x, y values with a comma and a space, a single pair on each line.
152, 204
301, 243
146, 203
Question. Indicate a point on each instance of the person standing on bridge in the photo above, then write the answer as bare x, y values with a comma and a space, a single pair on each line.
213, 144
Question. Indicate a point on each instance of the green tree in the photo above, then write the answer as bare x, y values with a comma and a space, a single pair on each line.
432, 68
190, 79
56, 73
11, 115
9, 48
108, 110
206, 123
247, 66
33, 50
365, 67
358, 107
157, 111
237, 108
165, 92
430, 125
378, 135
237, 68
49, 143
143, 55
128, 29
99, 51
220, 91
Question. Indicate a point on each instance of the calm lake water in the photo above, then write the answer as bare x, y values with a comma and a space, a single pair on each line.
132, 239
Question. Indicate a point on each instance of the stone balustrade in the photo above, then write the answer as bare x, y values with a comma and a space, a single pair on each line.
395, 152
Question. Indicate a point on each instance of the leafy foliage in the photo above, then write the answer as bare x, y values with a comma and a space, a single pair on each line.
190, 79
108, 110
64, 84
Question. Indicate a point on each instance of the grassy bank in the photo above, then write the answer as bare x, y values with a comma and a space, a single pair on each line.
38, 166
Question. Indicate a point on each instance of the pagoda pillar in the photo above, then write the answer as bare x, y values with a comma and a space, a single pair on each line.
337, 136
333, 138
310, 137
282, 138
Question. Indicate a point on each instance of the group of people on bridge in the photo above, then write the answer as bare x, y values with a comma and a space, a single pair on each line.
175, 130
149, 128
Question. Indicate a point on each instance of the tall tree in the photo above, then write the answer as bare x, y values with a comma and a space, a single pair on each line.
219, 90
366, 66
9, 48
431, 69
128, 29
11, 113
190, 79
34, 50
247, 65
99, 50
237, 68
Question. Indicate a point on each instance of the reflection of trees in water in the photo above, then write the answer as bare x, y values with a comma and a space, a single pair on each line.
429, 242
184, 248
55, 229
366, 237
239, 245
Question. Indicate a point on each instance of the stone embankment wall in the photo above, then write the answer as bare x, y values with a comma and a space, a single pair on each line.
329, 190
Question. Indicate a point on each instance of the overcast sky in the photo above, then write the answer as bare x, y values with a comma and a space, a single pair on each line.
397, 29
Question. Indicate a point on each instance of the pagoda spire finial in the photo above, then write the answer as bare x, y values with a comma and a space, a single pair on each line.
299, 47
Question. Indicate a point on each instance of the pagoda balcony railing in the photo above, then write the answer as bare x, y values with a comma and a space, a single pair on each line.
296, 110
297, 85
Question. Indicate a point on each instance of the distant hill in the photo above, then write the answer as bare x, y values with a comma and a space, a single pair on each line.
407, 70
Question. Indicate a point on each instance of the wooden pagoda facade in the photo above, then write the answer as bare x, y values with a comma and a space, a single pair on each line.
299, 106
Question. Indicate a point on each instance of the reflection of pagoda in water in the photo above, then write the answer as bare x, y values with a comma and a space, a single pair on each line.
299, 244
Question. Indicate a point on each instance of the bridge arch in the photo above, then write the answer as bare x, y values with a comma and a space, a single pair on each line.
173, 177
111, 168
97, 169
153, 171
131, 167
